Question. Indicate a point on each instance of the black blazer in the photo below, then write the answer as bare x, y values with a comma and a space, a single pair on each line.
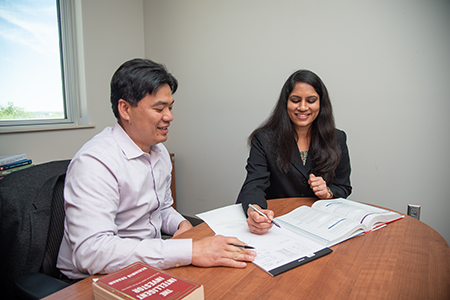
264, 180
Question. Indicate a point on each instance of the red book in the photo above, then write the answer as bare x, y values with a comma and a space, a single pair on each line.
141, 281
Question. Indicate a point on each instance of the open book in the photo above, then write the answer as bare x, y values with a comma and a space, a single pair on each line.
330, 222
305, 233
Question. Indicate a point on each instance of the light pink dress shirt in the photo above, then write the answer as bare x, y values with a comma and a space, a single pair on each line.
117, 202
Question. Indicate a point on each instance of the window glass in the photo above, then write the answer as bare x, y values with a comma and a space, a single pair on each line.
31, 79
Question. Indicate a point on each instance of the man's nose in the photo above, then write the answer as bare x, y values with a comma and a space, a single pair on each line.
168, 116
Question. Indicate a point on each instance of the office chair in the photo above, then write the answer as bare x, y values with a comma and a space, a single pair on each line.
31, 230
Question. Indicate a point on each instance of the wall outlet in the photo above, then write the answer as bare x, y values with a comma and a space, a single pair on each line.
414, 211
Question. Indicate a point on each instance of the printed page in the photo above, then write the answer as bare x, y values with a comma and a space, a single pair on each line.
275, 248
362, 213
320, 226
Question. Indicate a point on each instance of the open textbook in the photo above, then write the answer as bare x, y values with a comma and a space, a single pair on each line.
305, 233
330, 222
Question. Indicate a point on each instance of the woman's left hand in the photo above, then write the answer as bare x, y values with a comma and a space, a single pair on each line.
319, 187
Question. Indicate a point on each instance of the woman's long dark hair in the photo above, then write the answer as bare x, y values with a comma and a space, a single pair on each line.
279, 130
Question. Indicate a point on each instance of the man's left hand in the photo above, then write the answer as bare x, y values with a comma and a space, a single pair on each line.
184, 226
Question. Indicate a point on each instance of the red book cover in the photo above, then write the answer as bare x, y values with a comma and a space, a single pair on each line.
141, 281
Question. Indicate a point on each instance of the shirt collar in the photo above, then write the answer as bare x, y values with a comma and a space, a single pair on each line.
129, 147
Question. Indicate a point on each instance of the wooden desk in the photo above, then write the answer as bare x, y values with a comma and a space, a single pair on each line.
406, 260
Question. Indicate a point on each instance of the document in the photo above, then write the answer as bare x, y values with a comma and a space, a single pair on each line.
277, 251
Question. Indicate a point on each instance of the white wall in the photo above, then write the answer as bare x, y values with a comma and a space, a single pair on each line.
113, 32
386, 65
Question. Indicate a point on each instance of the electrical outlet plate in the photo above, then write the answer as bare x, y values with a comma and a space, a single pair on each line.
414, 211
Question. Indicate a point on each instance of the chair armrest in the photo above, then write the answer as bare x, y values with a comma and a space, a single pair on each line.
194, 220
37, 286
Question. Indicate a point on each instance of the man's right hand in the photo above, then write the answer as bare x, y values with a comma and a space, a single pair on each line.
219, 251
259, 224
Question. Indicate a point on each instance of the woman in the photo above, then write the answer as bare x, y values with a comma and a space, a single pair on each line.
297, 152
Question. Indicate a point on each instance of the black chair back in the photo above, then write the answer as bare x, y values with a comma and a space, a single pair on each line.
55, 231
26, 212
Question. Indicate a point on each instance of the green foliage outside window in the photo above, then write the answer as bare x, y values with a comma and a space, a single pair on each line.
12, 112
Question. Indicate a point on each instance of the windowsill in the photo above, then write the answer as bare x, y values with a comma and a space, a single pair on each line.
35, 128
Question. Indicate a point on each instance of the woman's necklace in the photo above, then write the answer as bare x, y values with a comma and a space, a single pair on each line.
304, 155
303, 144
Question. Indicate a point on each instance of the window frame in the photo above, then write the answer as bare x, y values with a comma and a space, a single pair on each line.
73, 76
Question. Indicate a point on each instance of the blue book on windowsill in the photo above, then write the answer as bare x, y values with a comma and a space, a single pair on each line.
15, 164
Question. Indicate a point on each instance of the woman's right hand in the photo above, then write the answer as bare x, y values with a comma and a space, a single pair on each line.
259, 224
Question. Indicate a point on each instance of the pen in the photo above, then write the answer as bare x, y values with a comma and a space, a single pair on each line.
263, 214
243, 246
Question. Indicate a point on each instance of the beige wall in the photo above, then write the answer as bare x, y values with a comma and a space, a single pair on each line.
385, 63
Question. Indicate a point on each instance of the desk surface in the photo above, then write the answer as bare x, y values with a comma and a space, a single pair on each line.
405, 260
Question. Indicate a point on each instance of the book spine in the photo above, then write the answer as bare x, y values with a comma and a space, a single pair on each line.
9, 171
15, 164
12, 159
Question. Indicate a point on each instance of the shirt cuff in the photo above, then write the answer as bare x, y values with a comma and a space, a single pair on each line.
178, 252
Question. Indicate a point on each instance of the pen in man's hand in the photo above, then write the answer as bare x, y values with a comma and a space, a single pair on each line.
263, 214
243, 246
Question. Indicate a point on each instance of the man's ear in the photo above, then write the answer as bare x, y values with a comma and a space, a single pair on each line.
123, 107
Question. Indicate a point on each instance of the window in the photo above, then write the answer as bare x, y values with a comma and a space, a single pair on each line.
41, 76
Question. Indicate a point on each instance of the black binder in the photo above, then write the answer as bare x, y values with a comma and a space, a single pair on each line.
299, 262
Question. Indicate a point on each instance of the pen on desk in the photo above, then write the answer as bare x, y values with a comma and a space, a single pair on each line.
243, 246
263, 214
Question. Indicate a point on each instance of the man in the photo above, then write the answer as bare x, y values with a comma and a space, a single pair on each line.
117, 189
